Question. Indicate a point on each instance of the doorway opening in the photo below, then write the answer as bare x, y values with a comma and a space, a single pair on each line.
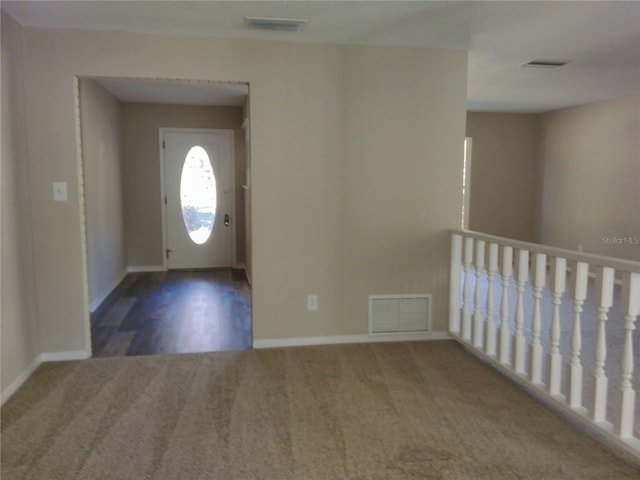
139, 300
175, 311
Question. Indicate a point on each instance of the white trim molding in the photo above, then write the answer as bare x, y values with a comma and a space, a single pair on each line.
340, 339
243, 267
146, 268
64, 356
43, 357
627, 448
95, 304
20, 379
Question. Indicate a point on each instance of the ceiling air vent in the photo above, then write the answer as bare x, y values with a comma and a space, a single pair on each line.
545, 63
278, 24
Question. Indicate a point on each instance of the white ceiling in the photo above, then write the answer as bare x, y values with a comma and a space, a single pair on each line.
599, 39
180, 92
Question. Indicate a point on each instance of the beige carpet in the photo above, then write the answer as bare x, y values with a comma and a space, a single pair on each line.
372, 411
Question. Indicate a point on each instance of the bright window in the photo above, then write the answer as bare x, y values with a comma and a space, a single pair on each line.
198, 195
466, 183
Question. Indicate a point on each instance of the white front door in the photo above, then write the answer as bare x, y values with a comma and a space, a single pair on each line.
199, 198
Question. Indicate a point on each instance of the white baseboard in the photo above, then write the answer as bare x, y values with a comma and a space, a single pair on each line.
95, 304
339, 339
247, 274
43, 357
20, 379
63, 356
627, 448
145, 268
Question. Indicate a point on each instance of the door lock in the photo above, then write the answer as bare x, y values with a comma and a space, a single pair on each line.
227, 219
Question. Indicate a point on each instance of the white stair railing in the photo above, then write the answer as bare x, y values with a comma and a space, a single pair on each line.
538, 277
554, 359
478, 318
466, 289
505, 331
600, 383
490, 333
519, 341
631, 308
574, 368
551, 322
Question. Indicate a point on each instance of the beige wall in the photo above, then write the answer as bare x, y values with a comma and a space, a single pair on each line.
504, 174
566, 178
590, 157
393, 190
141, 124
102, 162
356, 163
18, 330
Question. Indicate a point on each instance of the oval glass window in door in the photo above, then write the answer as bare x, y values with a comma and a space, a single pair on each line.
198, 195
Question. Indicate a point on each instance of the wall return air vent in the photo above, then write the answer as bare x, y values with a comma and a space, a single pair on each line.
399, 314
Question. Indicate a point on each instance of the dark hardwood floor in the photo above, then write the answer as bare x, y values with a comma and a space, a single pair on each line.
174, 312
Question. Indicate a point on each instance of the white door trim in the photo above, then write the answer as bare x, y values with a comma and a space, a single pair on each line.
163, 206
466, 198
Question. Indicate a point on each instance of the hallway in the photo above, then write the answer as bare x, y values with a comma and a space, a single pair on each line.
174, 312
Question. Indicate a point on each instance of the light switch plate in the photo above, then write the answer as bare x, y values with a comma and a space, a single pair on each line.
59, 191
312, 303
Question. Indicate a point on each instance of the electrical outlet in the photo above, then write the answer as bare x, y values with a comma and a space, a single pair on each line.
312, 303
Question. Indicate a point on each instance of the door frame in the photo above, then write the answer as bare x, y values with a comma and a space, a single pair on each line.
163, 206
466, 182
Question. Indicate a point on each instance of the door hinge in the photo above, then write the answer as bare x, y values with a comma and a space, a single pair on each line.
168, 253
163, 145
165, 199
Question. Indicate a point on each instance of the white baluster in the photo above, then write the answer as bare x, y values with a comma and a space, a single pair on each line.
539, 273
477, 313
574, 374
466, 302
519, 341
558, 279
631, 308
505, 334
454, 284
490, 334
604, 292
